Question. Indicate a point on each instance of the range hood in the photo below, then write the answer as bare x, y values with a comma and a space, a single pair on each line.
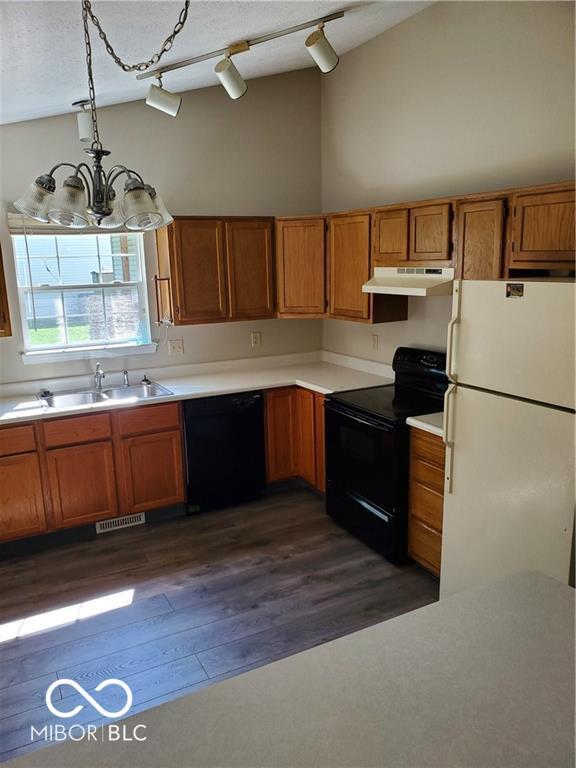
411, 281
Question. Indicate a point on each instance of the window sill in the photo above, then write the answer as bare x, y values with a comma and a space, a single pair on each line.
86, 353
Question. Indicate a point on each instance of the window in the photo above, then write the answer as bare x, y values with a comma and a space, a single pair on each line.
82, 290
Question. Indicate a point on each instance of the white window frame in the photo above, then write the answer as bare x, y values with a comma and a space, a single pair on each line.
82, 349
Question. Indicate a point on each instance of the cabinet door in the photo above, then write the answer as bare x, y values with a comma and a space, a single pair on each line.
305, 435
198, 271
281, 416
390, 237
21, 501
543, 228
430, 233
349, 266
5, 328
480, 239
82, 483
152, 471
250, 267
301, 267
320, 442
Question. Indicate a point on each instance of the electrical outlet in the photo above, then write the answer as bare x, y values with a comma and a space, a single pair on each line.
374, 341
176, 347
256, 339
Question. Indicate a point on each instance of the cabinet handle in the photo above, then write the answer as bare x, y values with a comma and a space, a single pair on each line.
448, 439
454, 320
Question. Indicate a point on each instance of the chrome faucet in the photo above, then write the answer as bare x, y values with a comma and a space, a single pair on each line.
125, 375
98, 376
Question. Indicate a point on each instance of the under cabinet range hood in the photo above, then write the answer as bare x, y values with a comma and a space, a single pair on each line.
411, 281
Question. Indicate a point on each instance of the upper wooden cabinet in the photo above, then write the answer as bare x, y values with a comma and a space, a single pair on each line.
250, 266
301, 267
480, 239
390, 237
349, 266
220, 269
430, 233
543, 229
5, 327
198, 270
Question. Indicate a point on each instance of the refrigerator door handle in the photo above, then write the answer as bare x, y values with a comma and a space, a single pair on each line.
448, 440
454, 320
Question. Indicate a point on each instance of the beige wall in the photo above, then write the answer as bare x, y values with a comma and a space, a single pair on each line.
461, 97
259, 155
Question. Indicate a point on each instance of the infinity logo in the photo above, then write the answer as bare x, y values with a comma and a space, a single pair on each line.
73, 684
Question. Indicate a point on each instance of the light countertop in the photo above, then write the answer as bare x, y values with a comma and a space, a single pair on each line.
431, 422
483, 678
319, 377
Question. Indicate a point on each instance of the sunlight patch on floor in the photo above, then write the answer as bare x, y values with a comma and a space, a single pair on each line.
67, 615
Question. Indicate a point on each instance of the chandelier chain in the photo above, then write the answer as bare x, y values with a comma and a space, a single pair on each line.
96, 143
143, 65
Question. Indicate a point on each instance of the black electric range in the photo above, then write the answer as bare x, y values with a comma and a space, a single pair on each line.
367, 449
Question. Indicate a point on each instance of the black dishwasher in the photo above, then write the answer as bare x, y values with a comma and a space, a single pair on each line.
225, 450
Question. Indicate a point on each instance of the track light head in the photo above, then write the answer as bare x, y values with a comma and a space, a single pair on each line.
159, 98
230, 78
321, 51
84, 118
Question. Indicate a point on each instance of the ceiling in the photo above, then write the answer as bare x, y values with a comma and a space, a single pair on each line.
42, 68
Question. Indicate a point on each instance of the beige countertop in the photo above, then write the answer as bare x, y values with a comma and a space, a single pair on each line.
431, 422
484, 678
319, 377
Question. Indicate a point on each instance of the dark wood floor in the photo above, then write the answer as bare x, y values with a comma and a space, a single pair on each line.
214, 595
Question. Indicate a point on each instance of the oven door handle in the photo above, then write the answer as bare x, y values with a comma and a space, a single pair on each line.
354, 417
370, 508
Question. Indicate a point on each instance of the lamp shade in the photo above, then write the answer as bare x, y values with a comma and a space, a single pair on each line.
321, 51
164, 100
68, 208
139, 209
85, 129
116, 219
160, 206
37, 199
230, 78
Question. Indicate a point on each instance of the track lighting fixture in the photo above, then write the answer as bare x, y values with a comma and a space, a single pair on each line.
230, 78
316, 44
84, 118
159, 98
321, 51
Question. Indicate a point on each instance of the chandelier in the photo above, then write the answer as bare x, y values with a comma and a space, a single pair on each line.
87, 196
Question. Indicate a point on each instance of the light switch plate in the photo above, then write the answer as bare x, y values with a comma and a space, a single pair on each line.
176, 347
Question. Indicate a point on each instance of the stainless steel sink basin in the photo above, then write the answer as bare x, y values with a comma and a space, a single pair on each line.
92, 397
72, 399
136, 390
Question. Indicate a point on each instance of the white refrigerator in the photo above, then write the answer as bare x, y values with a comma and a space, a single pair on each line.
509, 432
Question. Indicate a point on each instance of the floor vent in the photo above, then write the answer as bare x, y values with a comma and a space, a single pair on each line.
120, 522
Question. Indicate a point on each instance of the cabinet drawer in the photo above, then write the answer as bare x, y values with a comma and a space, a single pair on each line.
17, 440
425, 545
151, 418
428, 447
428, 475
81, 429
426, 505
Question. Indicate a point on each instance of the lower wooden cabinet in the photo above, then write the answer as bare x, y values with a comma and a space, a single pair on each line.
427, 455
295, 436
82, 483
21, 499
281, 407
151, 471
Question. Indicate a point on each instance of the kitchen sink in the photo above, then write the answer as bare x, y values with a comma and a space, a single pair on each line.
92, 397
71, 399
136, 390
